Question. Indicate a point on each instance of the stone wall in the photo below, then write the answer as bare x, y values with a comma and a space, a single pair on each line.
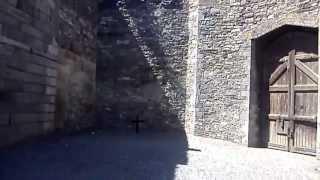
142, 63
76, 87
35, 47
192, 65
178, 64
224, 53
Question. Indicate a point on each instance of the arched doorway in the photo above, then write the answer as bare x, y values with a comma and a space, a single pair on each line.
284, 90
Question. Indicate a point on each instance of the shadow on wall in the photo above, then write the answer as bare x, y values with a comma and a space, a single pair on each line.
141, 72
76, 85
75, 102
140, 68
136, 76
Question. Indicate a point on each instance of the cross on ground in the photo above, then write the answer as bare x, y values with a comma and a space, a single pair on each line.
137, 123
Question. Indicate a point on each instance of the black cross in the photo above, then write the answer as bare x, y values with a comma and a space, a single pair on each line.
137, 122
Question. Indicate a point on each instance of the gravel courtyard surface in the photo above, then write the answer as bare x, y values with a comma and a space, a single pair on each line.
150, 156
224, 160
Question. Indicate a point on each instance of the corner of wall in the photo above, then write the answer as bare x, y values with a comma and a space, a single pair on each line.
318, 124
192, 63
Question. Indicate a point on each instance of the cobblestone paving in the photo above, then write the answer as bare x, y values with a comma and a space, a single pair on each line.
150, 156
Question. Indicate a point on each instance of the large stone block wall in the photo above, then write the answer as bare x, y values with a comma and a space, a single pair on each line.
224, 53
34, 47
142, 63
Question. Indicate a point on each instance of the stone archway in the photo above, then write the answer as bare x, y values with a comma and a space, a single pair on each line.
303, 20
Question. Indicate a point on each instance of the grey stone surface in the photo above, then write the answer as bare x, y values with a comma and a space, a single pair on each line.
151, 156
224, 55
34, 39
181, 64
224, 160
194, 55
142, 63
192, 67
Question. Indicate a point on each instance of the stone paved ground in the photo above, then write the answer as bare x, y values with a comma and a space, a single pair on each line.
150, 156
223, 160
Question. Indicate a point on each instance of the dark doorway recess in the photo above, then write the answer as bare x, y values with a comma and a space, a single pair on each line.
283, 90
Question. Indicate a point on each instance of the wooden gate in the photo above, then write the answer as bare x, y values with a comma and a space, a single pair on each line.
293, 93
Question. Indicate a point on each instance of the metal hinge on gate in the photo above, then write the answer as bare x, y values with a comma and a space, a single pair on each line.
281, 126
290, 132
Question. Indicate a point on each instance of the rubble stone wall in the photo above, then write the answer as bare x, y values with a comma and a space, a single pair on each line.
142, 63
224, 54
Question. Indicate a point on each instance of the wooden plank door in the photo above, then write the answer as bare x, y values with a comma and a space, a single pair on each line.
293, 92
